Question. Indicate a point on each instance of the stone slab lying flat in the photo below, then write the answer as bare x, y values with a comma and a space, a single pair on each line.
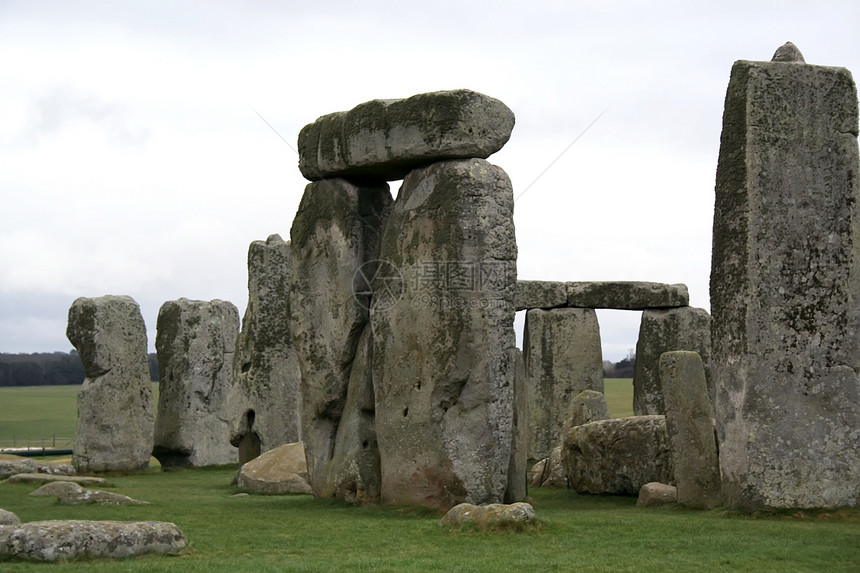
45, 478
623, 295
386, 139
540, 294
54, 540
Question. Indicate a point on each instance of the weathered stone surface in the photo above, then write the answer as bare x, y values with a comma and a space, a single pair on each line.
444, 366
626, 295
282, 469
11, 465
549, 472
788, 52
518, 467
115, 405
353, 472
335, 242
653, 494
617, 456
195, 343
692, 435
490, 516
55, 540
47, 478
265, 404
587, 406
70, 493
562, 353
8, 518
540, 294
17, 466
684, 328
785, 282
385, 139
54, 468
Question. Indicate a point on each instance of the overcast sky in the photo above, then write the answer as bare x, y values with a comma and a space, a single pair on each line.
132, 160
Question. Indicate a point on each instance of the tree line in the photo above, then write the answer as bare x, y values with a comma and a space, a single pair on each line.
50, 369
621, 369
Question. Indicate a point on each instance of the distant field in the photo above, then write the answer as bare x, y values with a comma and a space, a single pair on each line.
619, 396
31, 414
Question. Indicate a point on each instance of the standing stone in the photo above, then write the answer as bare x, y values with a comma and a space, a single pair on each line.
563, 357
660, 331
785, 281
444, 366
265, 406
518, 468
690, 425
115, 406
586, 407
386, 139
195, 344
335, 242
353, 472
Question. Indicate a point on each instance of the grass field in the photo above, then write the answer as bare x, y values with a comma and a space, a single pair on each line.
581, 533
300, 533
37, 415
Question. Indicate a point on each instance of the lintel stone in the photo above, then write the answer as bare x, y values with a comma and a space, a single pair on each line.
540, 294
383, 140
626, 295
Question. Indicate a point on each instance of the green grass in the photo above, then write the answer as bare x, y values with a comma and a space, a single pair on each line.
29, 414
619, 396
583, 533
36, 412
300, 533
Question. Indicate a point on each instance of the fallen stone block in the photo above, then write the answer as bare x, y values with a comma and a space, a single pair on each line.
383, 140
55, 540
45, 478
8, 518
549, 472
280, 470
617, 456
17, 466
490, 516
70, 493
654, 493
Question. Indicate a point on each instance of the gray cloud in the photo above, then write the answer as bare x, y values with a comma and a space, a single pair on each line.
63, 106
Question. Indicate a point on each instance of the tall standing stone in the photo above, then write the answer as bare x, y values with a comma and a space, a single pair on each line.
518, 467
115, 410
195, 342
690, 427
265, 405
561, 349
335, 242
785, 281
443, 360
684, 328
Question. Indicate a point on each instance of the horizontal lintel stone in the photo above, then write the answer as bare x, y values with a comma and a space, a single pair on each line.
540, 294
383, 140
626, 295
